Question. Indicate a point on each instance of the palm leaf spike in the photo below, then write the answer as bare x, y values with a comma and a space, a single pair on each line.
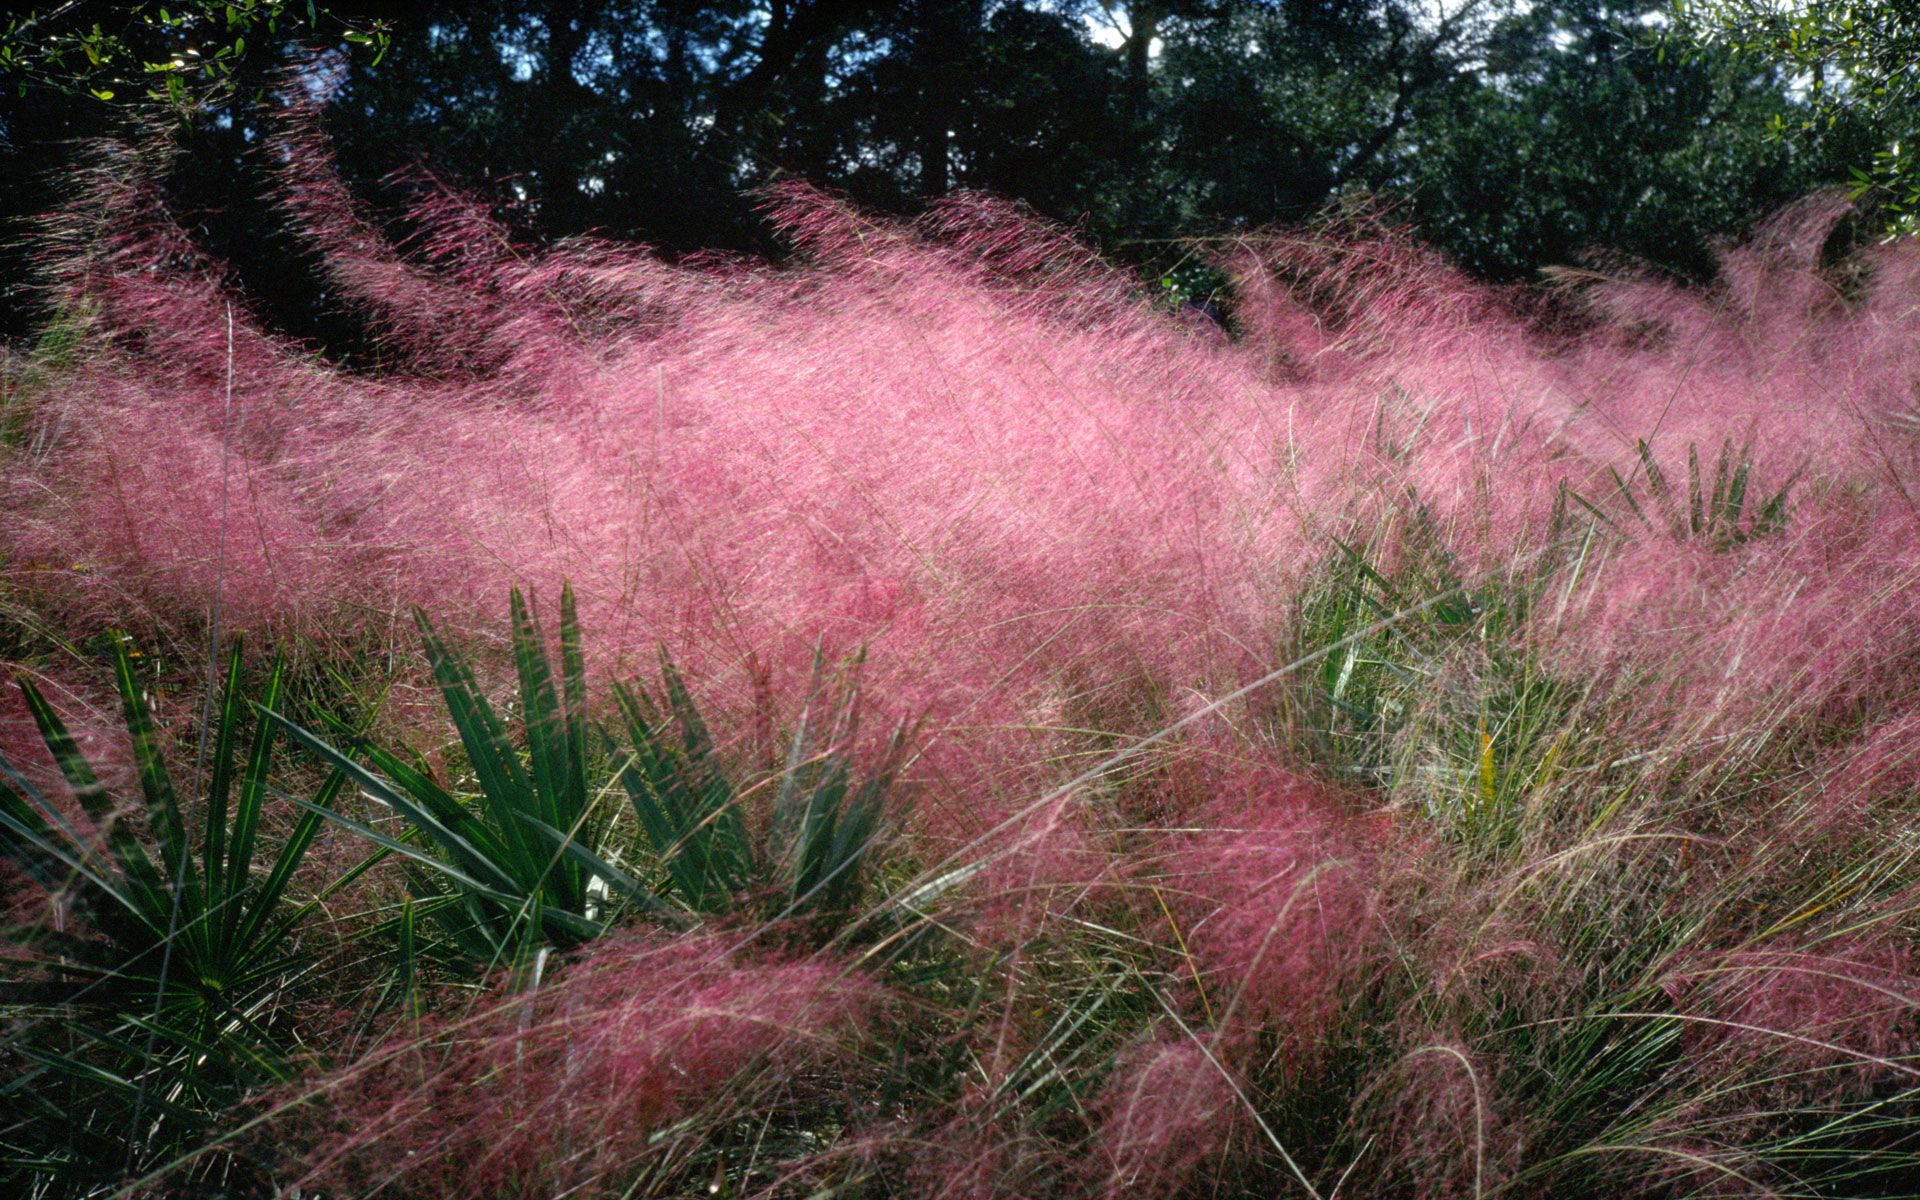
573, 676
230, 930
510, 872
559, 789
1774, 512
164, 1007
25, 838
163, 807
253, 790
1625, 491
254, 935
618, 882
859, 827
1737, 492
1721, 512
488, 871
790, 806
146, 891
43, 845
648, 780
1697, 515
829, 802
717, 836
220, 781
50, 840
829, 824
505, 789
1656, 479
708, 789
686, 807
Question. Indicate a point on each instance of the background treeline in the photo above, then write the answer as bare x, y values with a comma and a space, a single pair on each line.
1512, 136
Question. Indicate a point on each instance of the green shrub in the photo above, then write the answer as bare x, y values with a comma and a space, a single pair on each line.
137, 1021
533, 859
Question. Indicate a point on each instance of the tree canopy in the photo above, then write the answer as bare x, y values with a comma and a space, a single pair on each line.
1511, 135
1854, 60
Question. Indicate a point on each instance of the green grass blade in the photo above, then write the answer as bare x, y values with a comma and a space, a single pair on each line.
548, 752
220, 782
253, 784
1656, 479
1696, 503
1625, 490
504, 787
146, 891
442, 805
414, 854
658, 779
263, 903
1737, 494
25, 832
501, 880
618, 881
163, 806
573, 674
278, 931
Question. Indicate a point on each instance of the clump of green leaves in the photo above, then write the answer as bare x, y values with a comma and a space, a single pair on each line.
147, 1004
533, 857
1430, 695
170, 54
822, 825
493, 871
1856, 58
1720, 512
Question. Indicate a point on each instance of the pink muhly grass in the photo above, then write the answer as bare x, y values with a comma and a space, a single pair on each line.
568, 1088
702, 489
1168, 1109
1439, 1124
968, 1151
1805, 1021
1786, 629
965, 445
1271, 909
1050, 864
99, 733
1870, 775
1056, 522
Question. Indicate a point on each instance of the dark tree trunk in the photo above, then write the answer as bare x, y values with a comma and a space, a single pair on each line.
944, 32
562, 97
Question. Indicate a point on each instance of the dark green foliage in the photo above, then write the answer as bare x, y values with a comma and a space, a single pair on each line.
173, 55
146, 1005
533, 858
496, 877
1856, 57
1719, 512
1424, 608
1580, 136
1432, 697
821, 827
1510, 136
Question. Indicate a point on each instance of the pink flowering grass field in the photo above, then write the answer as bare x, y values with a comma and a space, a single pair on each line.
924, 721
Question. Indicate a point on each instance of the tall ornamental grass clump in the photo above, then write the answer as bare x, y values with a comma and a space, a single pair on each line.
1426, 740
